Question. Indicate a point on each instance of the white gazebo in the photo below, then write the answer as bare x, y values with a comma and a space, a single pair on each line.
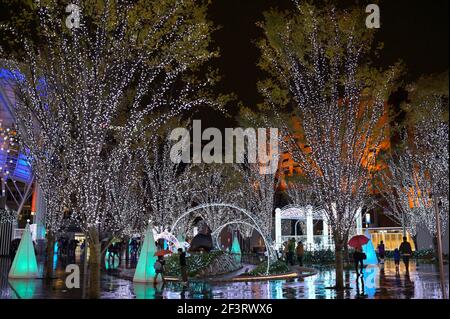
307, 215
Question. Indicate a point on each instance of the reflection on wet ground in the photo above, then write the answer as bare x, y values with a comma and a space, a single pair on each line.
376, 283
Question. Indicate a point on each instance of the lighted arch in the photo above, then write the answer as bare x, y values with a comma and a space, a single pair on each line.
170, 237
219, 229
255, 225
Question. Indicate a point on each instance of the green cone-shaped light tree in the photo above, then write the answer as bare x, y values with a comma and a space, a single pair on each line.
145, 271
236, 249
24, 264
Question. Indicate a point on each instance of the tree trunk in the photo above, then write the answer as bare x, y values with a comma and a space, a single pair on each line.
127, 253
103, 252
49, 254
435, 247
339, 266
346, 254
94, 264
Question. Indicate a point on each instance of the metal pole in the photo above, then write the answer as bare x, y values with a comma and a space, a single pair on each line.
403, 224
439, 244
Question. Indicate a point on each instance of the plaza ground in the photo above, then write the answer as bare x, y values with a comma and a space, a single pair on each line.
377, 283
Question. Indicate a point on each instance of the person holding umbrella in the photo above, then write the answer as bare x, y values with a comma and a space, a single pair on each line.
160, 263
358, 256
159, 269
183, 265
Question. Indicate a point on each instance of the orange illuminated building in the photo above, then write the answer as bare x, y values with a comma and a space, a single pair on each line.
288, 167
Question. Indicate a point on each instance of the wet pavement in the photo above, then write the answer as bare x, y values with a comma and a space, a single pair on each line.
376, 283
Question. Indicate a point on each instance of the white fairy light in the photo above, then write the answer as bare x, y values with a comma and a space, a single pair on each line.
321, 76
91, 93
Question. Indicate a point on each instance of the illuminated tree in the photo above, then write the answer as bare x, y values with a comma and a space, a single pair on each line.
299, 193
431, 153
124, 71
169, 185
401, 191
41, 133
415, 184
214, 186
320, 73
126, 196
259, 195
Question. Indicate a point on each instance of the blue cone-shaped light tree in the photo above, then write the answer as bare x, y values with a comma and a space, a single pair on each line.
369, 250
24, 264
236, 249
145, 270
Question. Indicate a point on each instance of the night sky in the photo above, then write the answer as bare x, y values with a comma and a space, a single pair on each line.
415, 31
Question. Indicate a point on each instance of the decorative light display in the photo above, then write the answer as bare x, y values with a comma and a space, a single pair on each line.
169, 187
369, 250
258, 195
24, 264
87, 96
215, 185
7, 215
339, 110
145, 270
418, 176
236, 249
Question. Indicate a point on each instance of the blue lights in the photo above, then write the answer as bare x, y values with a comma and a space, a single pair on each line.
11, 75
369, 250
11, 161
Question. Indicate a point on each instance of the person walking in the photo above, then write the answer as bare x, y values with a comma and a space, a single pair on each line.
358, 258
183, 265
116, 251
397, 261
300, 251
110, 250
133, 250
159, 269
381, 252
285, 252
291, 251
406, 252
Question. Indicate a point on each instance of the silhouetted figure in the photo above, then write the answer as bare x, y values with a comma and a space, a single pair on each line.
397, 261
406, 252
183, 265
134, 250
381, 252
358, 258
159, 269
300, 251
